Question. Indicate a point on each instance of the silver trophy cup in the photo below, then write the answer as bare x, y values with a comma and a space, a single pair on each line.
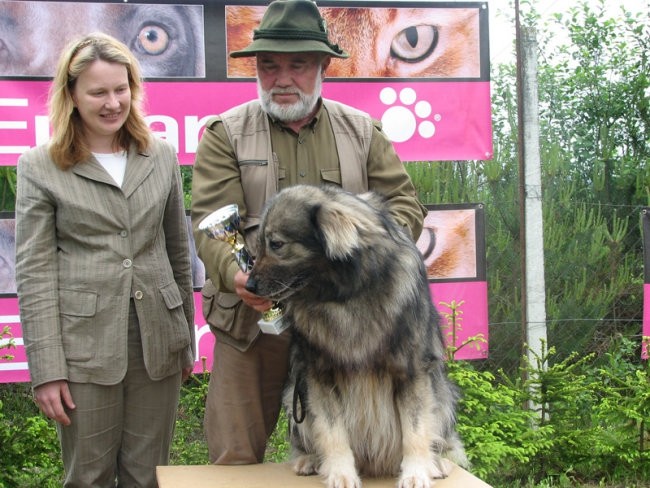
223, 225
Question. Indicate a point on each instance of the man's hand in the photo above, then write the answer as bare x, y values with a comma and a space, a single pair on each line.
52, 397
258, 303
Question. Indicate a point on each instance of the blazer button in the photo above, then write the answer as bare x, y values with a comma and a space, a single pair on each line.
123, 233
127, 263
138, 295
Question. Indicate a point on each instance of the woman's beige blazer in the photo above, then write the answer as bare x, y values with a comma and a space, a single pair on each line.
84, 248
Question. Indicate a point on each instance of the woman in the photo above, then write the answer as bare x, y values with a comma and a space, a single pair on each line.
103, 272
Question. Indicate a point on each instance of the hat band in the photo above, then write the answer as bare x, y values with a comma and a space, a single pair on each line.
289, 35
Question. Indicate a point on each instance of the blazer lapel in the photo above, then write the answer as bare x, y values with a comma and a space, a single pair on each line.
93, 170
138, 167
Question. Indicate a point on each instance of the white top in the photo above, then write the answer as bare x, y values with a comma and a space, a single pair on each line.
114, 164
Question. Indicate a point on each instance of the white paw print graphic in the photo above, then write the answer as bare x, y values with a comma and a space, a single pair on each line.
401, 122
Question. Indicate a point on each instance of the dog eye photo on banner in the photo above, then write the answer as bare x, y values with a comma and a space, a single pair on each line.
167, 40
404, 42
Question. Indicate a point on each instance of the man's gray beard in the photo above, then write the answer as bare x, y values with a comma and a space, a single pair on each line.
289, 112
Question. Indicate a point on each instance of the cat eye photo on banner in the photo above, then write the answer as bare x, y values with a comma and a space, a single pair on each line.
452, 242
414, 42
167, 40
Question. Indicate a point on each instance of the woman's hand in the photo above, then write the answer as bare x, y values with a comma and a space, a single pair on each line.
185, 373
52, 398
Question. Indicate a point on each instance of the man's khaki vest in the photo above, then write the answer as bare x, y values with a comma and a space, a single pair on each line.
247, 127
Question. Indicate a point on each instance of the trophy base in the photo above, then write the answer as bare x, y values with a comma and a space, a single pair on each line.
273, 326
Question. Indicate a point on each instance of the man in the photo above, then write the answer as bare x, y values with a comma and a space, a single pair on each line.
289, 136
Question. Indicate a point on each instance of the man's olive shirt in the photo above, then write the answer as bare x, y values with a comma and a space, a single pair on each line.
309, 157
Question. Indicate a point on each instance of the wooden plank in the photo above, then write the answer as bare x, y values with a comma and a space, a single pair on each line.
271, 475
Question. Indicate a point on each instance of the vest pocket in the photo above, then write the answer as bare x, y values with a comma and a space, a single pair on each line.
253, 181
253, 162
331, 176
227, 314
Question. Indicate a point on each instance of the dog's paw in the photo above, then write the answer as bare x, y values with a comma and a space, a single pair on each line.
343, 480
415, 477
339, 472
305, 465
414, 482
419, 473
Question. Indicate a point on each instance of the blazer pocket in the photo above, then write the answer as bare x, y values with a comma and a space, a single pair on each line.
77, 310
172, 295
227, 313
180, 334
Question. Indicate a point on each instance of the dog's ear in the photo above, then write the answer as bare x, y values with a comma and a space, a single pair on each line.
341, 225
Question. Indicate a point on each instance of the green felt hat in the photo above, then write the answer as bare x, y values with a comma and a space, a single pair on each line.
291, 26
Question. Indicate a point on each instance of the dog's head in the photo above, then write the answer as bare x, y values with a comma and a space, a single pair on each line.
308, 231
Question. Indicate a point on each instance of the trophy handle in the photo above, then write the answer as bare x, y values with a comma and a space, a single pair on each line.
242, 256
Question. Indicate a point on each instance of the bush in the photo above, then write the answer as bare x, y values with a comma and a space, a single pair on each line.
30, 447
189, 445
493, 424
589, 425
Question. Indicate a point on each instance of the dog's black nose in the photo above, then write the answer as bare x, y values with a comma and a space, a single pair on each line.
251, 285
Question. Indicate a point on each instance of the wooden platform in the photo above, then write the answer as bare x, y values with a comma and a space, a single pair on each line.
278, 476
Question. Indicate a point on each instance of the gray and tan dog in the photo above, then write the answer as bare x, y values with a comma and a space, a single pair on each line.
368, 392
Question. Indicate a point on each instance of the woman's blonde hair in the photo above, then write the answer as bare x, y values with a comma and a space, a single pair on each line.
68, 145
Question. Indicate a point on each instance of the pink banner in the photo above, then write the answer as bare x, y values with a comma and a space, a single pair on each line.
15, 370
467, 301
425, 120
463, 311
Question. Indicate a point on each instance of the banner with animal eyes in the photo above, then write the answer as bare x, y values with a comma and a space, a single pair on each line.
452, 246
422, 68
645, 342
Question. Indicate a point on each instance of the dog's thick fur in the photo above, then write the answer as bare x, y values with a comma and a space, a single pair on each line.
366, 364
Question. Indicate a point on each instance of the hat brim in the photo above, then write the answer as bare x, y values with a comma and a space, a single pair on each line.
285, 46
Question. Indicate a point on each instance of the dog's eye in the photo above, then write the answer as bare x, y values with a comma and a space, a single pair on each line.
275, 245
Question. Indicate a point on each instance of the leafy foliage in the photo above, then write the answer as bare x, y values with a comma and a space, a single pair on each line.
587, 422
6, 342
30, 450
189, 445
7, 188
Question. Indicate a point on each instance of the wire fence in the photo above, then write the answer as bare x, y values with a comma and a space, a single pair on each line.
594, 285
